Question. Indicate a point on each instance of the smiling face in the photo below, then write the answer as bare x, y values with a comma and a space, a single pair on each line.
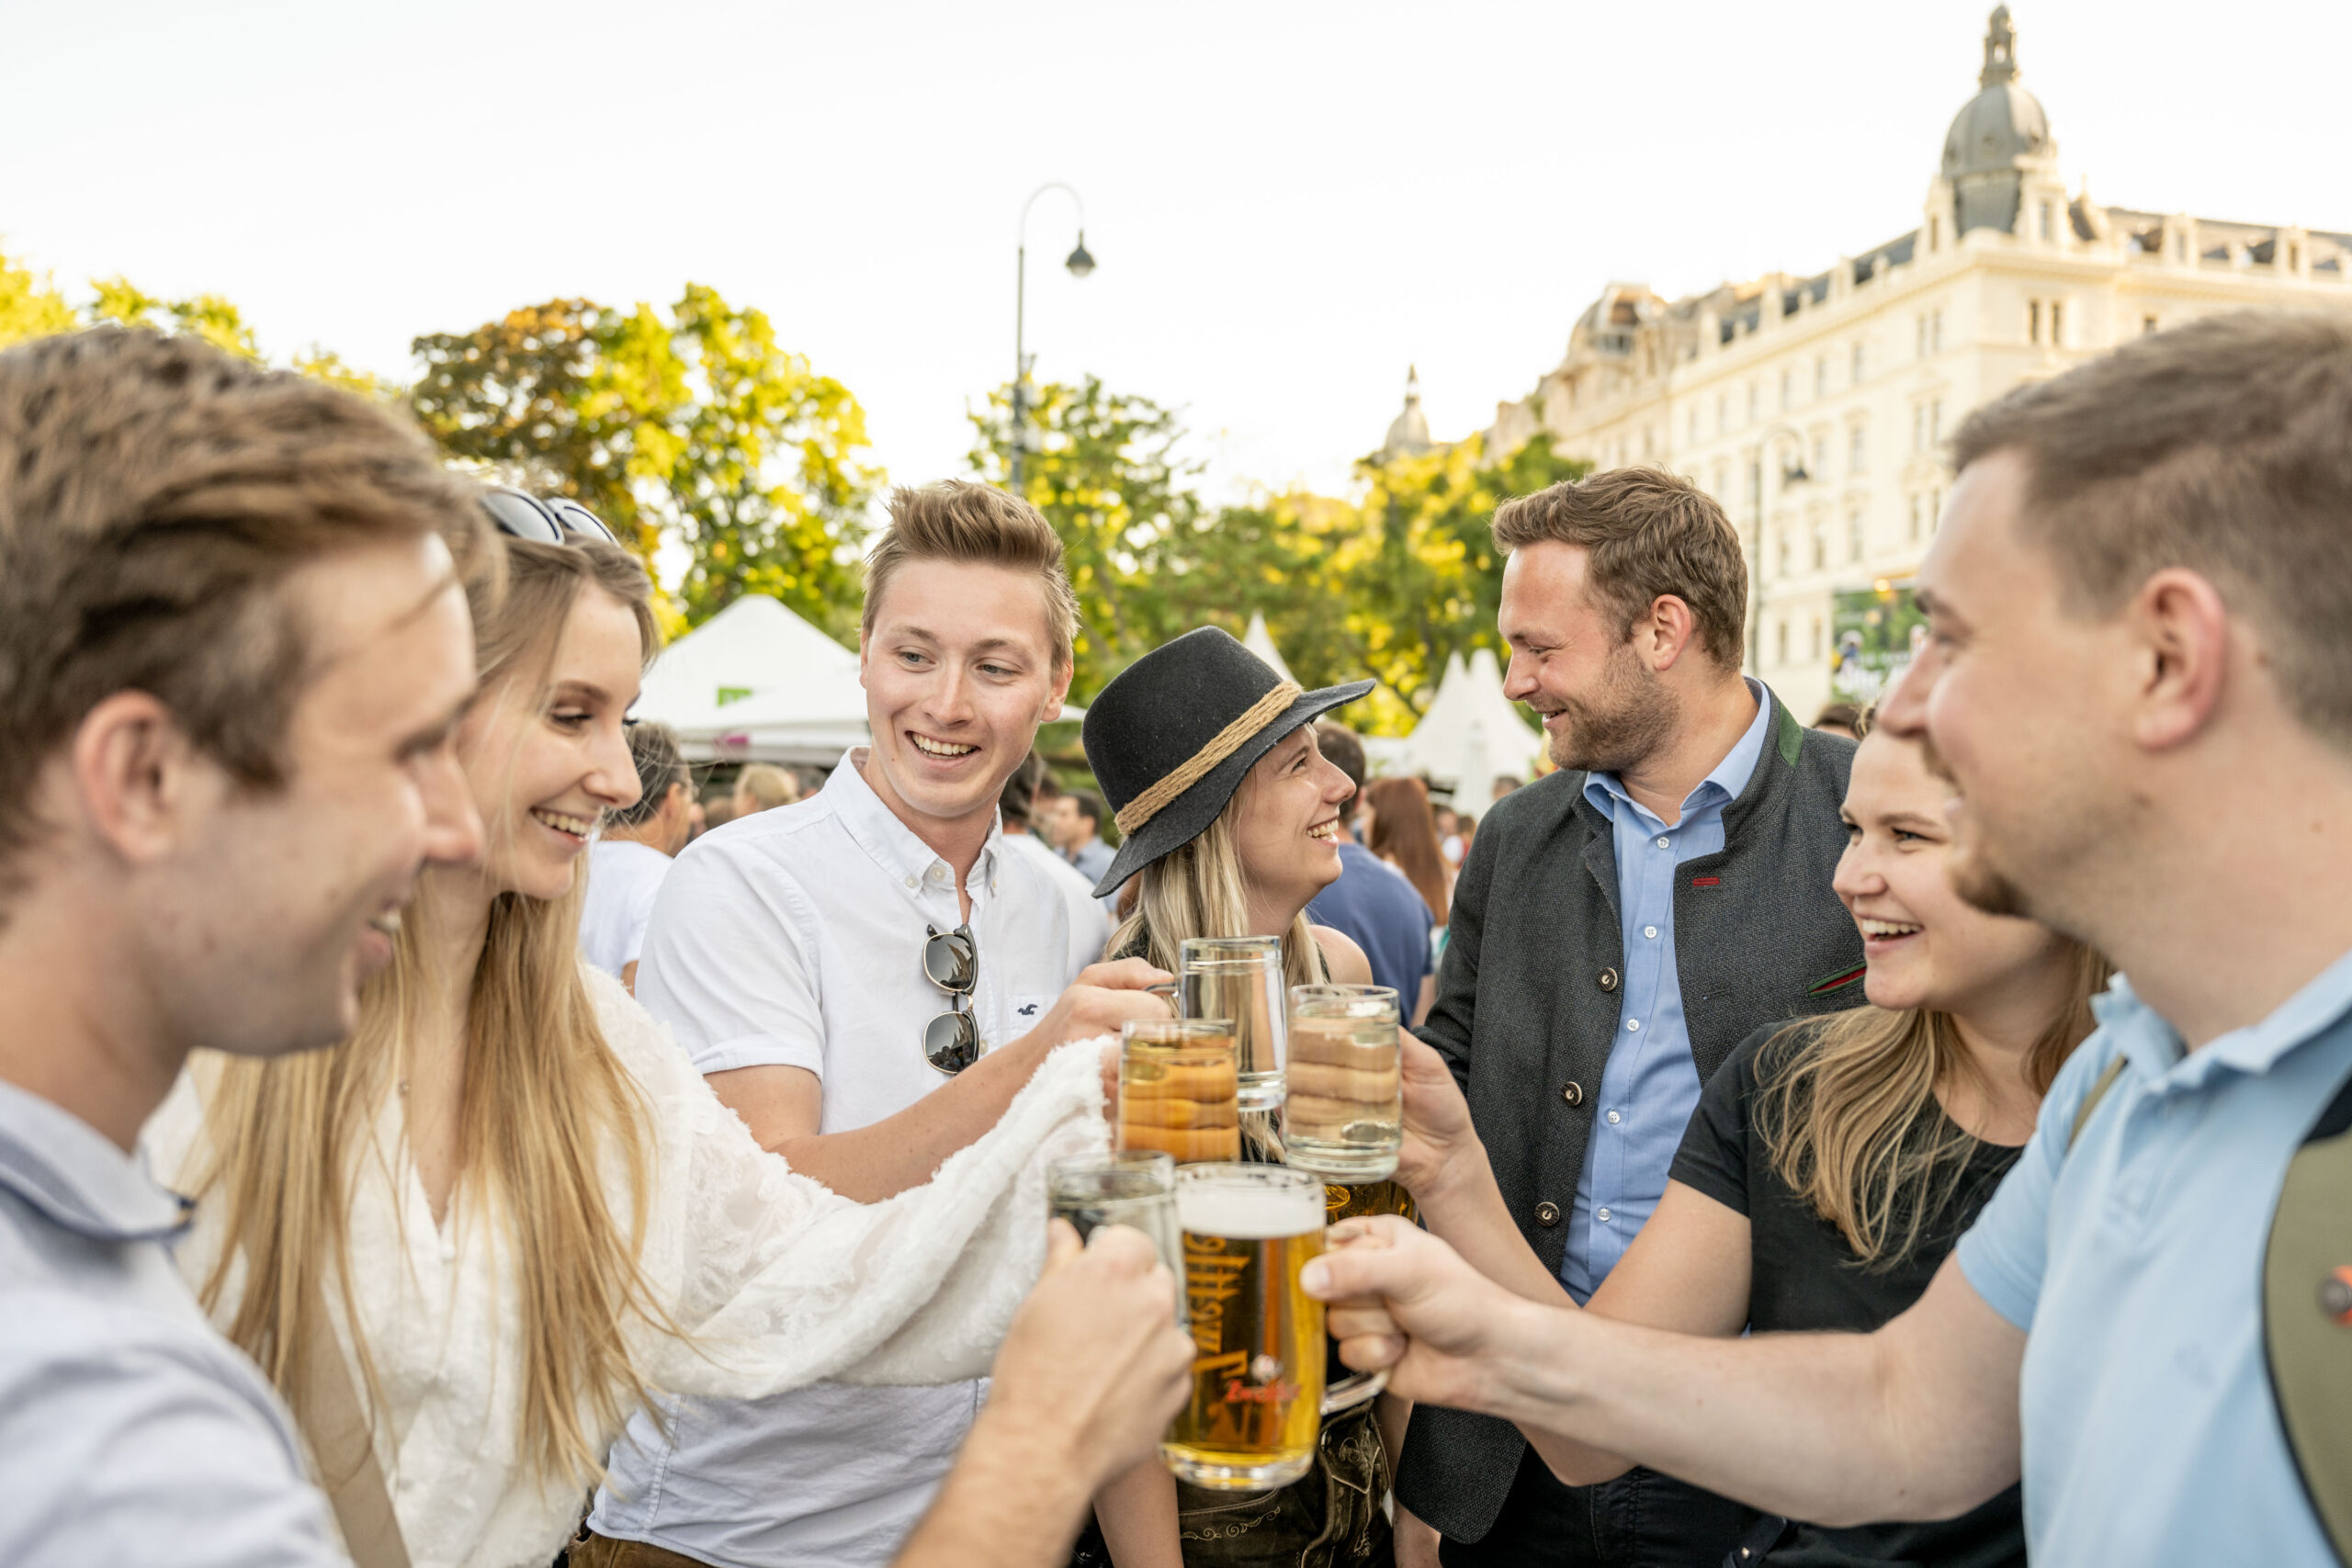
1603, 708
1285, 819
2017, 700
958, 672
288, 899
1927, 946
545, 751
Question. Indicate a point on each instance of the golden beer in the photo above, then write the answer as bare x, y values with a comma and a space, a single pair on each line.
1177, 1090
1344, 1117
1256, 1398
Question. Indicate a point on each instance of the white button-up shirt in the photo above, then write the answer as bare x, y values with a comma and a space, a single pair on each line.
795, 938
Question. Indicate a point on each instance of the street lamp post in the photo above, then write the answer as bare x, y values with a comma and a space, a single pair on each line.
1080, 262
1793, 473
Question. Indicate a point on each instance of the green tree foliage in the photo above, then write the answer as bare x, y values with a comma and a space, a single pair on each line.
694, 425
208, 316
1387, 585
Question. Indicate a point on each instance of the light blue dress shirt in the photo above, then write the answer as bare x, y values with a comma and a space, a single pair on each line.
1651, 1086
2134, 1261
129, 1430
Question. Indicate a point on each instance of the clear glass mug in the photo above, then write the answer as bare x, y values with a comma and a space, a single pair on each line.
1344, 1115
1258, 1398
1178, 1090
1129, 1187
1240, 978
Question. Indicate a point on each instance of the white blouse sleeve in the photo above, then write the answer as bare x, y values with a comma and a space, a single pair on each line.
779, 1282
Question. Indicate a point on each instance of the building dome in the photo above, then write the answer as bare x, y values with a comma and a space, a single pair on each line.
1994, 136
1408, 433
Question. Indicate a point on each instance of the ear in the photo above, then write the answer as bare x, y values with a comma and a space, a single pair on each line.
140, 781
1064, 670
2180, 634
1661, 635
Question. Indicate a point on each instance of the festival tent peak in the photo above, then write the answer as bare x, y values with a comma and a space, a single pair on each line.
1472, 734
757, 681
1259, 641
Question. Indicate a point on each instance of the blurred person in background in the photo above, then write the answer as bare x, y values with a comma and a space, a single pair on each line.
1840, 719
764, 786
632, 853
1504, 784
1090, 923
1373, 902
1078, 823
1451, 844
1403, 833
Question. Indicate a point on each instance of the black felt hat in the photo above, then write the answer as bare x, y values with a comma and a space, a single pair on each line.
1170, 738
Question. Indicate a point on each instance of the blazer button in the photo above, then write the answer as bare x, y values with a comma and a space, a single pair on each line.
1573, 1092
1547, 1214
1608, 979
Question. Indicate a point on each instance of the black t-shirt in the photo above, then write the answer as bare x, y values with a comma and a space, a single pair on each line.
1805, 1278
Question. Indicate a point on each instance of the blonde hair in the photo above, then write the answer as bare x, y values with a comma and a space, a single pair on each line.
768, 786
978, 524
1849, 1113
1199, 890
543, 1101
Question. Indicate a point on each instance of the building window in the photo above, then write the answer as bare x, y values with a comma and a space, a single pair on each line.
1820, 543
1781, 640
1821, 376
1723, 413
1854, 535
1935, 332
1920, 428
1858, 449
2057, 324
2033, 321
1815, 654
1935, 422
1780, 555
1919, 518
1821, 456
2047, 226
1858, 364
2147, 325
1788, 390
1755, 400
1923, 336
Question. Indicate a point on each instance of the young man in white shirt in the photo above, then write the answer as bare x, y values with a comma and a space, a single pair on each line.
868, 976
633, 853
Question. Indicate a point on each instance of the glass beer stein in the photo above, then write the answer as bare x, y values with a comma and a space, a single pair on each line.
1343, 1116
1135, 1187
1177, 1090
1240, 978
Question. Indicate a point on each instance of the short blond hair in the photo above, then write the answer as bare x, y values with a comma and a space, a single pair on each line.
977, 525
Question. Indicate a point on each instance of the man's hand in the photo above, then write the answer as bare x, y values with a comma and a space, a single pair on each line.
1103, 997
1402, 1299
1440, 1142
1094, 1367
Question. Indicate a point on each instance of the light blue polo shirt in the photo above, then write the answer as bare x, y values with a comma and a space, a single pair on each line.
2134, 1262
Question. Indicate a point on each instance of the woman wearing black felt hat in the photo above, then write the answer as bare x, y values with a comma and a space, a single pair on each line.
1228, 813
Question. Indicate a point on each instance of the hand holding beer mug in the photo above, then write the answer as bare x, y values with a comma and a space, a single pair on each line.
1177, 1090
1343, 1115
1257, 1396
1135, 1188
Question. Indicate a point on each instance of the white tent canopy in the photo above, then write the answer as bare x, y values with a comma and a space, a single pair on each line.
1472, 733
757, 681
1259, 641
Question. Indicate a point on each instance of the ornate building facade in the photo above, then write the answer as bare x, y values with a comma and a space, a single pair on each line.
1815, 408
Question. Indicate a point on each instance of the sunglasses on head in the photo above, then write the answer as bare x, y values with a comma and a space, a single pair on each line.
557, 520
951, 961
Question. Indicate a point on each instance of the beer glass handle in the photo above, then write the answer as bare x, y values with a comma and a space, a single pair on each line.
1358, 1388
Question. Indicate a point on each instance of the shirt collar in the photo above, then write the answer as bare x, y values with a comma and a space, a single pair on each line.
1722, 785
892, 845
64, 1168
2157, 1051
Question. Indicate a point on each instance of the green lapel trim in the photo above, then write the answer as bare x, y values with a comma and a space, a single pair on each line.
1838, 981
1792, 733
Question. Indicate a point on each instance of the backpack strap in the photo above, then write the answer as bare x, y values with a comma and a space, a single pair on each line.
2105, 1081
2307, 1316
343, 1445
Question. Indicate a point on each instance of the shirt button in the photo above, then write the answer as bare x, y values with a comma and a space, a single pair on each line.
1666, 843
1632, 1024
912, 883
1650, 931
1547, 1214
1614, 1119
939, 873
1601, 1214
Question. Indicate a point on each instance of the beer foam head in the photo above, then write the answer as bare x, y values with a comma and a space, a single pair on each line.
1248, 1212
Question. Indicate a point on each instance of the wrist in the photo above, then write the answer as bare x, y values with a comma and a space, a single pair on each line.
1013, 1455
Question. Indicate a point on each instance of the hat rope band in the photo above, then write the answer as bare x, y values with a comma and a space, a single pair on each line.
1196, 767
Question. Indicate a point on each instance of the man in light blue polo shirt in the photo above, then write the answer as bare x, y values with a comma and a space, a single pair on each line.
2138, 681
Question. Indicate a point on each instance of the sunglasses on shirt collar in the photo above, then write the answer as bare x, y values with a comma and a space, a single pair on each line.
557, 520
951, 961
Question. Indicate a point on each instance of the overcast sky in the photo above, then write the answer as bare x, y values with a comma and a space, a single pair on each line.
1289, 202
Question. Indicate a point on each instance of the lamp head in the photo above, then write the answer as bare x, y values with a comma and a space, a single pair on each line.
1081, 260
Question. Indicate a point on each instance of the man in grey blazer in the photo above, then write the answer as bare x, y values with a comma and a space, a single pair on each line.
1619, 927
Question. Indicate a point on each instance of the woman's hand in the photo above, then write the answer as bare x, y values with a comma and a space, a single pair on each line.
1440, 1142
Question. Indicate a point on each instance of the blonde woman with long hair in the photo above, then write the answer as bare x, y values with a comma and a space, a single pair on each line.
1833, 1162
482, 1232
